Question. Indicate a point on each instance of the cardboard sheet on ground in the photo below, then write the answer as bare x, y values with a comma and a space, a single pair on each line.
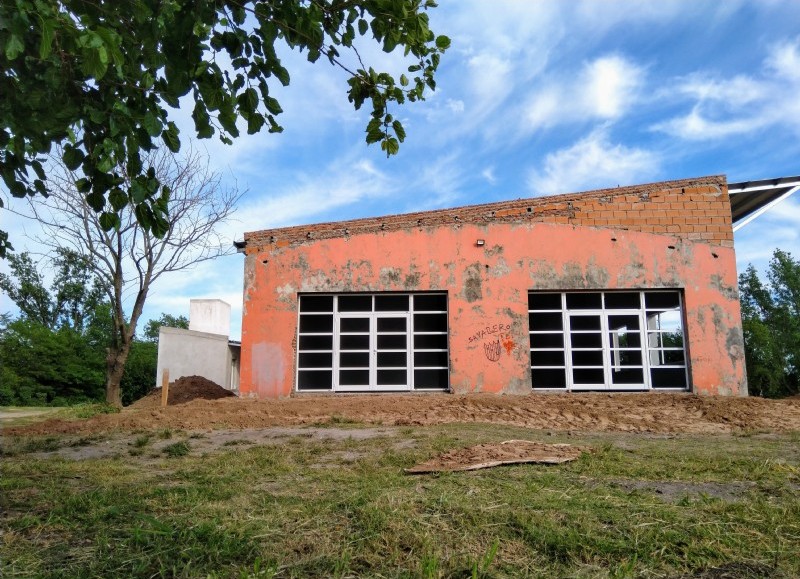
489, 455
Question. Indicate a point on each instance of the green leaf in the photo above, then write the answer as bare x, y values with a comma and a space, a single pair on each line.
14, 47
96, 201
46, 43
72, 157
117, 198
109, 221
273, 106
170, 137
399, 131
152, 124
282, 74
363, 27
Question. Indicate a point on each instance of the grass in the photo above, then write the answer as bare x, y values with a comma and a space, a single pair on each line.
22, 415
636, 506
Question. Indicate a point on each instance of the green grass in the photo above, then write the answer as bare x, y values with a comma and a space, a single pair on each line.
636, 506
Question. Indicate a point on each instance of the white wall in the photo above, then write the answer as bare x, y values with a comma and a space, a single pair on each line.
192, 353
212, 316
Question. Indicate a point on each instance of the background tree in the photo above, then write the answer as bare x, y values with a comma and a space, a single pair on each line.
53, 353
151, 328
129, 258
771, 324
98, 78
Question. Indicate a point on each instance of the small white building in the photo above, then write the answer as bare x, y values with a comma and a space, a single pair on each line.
204, 349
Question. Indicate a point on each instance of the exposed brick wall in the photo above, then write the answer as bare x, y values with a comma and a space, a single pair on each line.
697, 209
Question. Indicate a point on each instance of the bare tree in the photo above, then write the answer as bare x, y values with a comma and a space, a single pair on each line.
129, 258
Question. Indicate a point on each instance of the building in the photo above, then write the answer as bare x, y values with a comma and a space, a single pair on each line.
202, 350
625, 289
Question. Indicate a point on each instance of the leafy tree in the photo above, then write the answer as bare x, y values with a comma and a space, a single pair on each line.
771, 324
74, 294
129, 258
54, 352
152, 327
100, 77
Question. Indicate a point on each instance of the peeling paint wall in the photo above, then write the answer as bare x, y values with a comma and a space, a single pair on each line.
487, 289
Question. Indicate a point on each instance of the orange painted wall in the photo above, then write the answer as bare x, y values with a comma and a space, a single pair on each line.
489, 285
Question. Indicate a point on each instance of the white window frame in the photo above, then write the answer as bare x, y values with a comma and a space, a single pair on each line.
646, 348
373, 351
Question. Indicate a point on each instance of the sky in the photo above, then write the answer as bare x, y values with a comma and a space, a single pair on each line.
533, 98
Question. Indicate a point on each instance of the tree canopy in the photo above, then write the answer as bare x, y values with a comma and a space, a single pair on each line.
100, 77
771, 325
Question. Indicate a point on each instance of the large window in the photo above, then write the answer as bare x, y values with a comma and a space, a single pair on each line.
626, 340
372, 342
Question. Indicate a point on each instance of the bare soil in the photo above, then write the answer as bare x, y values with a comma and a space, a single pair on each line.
589, 412
183, 390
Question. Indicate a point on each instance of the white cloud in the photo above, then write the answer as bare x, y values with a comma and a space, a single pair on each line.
591, 163
743, 104
456, 106
605, 89
488, 174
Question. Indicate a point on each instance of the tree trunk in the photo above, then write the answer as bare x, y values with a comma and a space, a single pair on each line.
115, 368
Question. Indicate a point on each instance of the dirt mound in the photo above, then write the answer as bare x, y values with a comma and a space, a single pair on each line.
586, 412
184, 389
489, 455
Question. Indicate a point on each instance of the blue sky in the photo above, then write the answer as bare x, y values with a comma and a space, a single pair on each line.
533, 98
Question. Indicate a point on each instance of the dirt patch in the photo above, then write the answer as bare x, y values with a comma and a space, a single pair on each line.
183, 390
489, 455
590, 412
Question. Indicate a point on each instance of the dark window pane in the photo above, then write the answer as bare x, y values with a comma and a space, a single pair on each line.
624, 323
627, 376
668, 377
594, 340
354, 377
315, 360
392, 377
625, 358
547, 358
391, 324
587, 358
625, 340
537, 301
545, 322
392, 342
547, 340
430, 322
548, 378
588, 376
353, 325
355, 303
316, 324
584, 322
354, 359
316, 303
316, 342
354, 342
430, 379
622, 300
667, 358
315, 380
392, 360
430, 303
391, 303
584, 301
430, 341
657, 300
428, 359
665, 339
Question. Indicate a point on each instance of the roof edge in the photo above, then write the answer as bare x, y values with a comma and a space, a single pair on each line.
404, 219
